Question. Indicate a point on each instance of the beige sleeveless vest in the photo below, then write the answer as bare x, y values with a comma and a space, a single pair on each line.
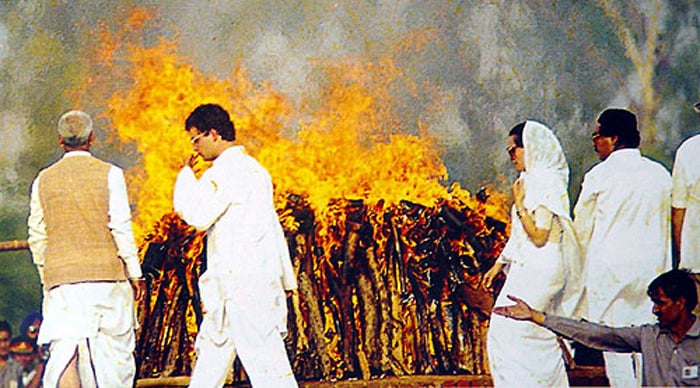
74, 196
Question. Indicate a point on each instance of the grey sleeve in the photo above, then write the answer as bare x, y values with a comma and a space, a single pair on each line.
593, 335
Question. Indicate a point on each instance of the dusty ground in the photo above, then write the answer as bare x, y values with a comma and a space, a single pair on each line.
581, 376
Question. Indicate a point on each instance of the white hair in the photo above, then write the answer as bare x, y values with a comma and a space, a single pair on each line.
75, 128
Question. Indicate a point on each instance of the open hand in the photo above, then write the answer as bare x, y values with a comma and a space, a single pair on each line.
139, 287
520, 311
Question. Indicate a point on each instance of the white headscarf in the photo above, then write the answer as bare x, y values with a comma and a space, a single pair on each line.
546, 175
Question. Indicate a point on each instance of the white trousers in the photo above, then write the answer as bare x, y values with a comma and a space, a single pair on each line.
262, 352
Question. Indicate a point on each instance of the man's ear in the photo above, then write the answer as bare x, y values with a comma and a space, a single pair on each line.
682, 301
614, 140
60, 140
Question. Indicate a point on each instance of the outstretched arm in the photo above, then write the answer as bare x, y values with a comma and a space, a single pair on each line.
601, 337
520, 311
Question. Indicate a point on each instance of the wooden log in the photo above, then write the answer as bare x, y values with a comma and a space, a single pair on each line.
367, 346
316, 323
13, 245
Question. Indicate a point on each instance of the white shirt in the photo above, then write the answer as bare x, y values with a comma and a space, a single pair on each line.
248, 260
622, 219
686, 195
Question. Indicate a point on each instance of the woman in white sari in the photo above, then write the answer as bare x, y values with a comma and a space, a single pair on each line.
542, 261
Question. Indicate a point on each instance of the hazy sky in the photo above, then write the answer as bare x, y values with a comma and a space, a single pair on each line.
469, 70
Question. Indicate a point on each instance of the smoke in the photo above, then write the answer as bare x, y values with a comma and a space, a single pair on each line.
469, 70
12, 139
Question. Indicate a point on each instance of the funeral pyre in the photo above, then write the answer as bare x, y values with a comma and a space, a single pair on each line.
388, 257
383, 290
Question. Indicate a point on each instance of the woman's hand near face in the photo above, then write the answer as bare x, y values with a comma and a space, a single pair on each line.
519, 193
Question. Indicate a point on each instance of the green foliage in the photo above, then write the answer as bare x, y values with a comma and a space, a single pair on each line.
20, 289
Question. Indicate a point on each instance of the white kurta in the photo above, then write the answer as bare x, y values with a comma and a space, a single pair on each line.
623, 220
686, 195
520, 353
248, 268
98, 318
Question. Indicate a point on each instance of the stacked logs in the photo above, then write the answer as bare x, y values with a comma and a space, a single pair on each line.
170, 315
383, 290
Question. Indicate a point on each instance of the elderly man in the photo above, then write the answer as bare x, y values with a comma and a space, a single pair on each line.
671, 347
248, 265
622, 218
83, 246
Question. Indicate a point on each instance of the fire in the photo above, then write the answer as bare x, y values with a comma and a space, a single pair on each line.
365, 206
348, 147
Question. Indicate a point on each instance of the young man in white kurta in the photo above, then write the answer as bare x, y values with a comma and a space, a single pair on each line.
686, 203
248, 264
622, 218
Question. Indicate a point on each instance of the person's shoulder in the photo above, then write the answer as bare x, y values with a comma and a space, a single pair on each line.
656, 167
112, 170
599, 168
647, 330
97, 160
691, 144
593, 167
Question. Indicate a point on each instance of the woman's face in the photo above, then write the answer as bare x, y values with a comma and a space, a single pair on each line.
517, 154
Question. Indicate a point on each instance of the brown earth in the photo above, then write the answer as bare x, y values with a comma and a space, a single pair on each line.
582, 376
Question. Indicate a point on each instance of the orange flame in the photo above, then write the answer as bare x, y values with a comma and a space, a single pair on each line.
346, 146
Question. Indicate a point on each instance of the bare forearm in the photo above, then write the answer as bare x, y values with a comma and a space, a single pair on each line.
538, 236
677, 218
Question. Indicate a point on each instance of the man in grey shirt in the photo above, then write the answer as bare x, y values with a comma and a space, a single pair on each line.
670, 348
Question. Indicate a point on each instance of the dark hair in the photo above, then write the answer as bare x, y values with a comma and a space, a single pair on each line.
621, 123
517, 131
5, 326
211, 116
676, 283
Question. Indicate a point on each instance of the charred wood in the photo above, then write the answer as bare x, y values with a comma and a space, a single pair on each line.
383, 290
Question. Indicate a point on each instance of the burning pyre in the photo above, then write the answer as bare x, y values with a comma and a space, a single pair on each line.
388, 259
383, 290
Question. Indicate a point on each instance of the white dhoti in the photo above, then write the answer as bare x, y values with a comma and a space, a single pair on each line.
95, 323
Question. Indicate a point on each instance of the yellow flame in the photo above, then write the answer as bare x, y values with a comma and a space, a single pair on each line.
348, 145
